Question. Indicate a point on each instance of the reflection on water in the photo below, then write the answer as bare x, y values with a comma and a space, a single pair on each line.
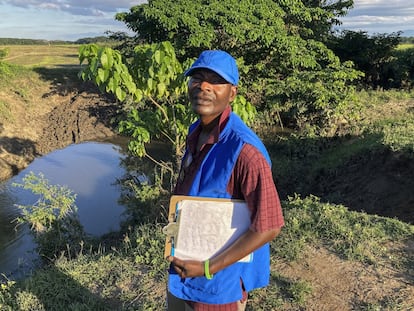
90, 170
13, 240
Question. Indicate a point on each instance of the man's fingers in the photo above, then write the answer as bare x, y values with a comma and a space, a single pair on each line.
181, 271
178, 265
177, 262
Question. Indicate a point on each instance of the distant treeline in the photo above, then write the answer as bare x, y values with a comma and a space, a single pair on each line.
17, 41
99, 39
407, 40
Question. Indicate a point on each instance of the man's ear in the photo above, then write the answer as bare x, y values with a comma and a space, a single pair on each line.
233, 92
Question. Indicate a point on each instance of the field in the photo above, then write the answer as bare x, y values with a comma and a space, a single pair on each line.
41, 55
404, 46
348, 243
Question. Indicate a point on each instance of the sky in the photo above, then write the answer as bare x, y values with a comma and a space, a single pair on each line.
381, 16
74, 19
61, 19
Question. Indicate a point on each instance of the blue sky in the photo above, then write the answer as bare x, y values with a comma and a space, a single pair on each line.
381, 16
74, 19
61, 19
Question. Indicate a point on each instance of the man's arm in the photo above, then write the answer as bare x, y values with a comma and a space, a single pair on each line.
254, 178
246, 244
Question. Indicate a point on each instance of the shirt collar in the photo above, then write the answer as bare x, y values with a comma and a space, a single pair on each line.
214, 134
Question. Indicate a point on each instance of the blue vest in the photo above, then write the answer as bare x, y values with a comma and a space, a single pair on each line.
211, 181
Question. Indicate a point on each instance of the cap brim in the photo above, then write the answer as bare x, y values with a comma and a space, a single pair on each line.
188, 73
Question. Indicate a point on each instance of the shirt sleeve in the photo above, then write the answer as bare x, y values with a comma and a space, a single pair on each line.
252, 181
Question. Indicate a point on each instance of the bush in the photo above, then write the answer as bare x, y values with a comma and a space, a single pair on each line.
52, 217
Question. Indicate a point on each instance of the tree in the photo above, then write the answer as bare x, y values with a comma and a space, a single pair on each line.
402, 69
152, 89
334, 9
372, 55
274, 43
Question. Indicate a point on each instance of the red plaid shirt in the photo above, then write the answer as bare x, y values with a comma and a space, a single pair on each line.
251, 180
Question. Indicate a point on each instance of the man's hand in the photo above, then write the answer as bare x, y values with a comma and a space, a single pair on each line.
187, 268
247, 243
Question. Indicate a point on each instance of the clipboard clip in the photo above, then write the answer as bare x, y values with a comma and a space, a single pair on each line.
171, 230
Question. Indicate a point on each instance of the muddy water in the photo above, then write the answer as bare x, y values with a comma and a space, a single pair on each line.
90, 170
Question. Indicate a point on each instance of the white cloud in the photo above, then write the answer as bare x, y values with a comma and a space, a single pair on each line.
77, 7
381, 16
60, 20
73, 19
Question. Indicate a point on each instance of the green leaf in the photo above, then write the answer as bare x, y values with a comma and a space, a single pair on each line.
161, 89
120, 93
104, 60
138, 95
102, 74
150, 84
157, 56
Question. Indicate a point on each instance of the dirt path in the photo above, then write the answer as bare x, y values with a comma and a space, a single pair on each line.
338, 285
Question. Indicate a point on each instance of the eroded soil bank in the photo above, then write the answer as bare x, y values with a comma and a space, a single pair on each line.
54, 118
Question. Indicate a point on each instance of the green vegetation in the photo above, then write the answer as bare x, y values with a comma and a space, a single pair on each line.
131, 275
386, 62
50, 56
284, 65
298, 91
404, 46
53, 218
352, 235
10, 75
153, 89
39, 42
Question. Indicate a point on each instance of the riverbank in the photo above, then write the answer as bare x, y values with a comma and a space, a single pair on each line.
46, 110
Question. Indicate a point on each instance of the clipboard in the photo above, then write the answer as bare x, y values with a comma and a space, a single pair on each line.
200, 227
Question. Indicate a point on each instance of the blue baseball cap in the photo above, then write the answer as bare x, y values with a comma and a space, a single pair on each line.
218, 61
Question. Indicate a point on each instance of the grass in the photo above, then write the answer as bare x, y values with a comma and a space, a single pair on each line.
351, 235
132, 276
404, 46
386, 123
42, 55
29, 71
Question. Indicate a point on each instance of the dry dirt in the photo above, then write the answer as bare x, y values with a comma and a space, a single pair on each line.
51, 117
55, 115
339, 285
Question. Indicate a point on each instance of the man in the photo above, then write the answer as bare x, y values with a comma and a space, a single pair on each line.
224, 159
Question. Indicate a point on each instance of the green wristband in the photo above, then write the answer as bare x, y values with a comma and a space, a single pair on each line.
207, 270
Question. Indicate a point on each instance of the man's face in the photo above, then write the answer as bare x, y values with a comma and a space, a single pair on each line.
209, 94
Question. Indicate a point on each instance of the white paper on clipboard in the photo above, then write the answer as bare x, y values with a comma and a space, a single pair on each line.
205, 228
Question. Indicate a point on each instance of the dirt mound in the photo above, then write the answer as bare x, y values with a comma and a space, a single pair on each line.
84, 116
58, 117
